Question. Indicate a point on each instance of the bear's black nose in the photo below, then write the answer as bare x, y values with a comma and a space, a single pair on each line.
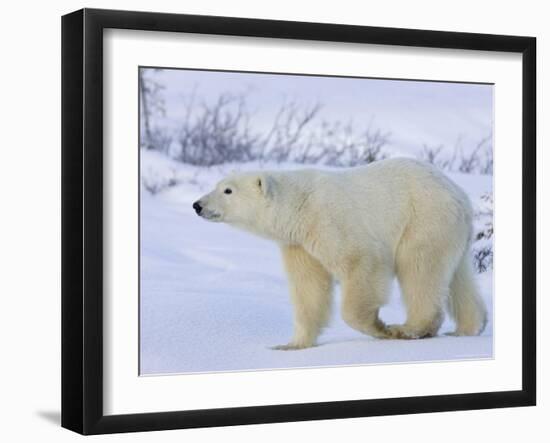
197, 207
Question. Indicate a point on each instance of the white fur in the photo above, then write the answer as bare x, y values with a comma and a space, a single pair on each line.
363, 227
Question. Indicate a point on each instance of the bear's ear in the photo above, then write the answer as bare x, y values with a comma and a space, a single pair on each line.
265, 184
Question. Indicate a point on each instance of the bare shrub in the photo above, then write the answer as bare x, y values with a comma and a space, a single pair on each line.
477, 160
217, 133
341, 145
435, 155
483, 236
483, 259
480, 159
151, 105
220, 132
160, 140
155, 182
286, 140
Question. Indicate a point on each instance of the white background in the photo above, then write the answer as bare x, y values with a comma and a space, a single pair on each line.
30, 234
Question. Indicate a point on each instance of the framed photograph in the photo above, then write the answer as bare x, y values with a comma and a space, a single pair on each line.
269, 221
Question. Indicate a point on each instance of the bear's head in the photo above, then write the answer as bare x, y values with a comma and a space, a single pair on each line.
238, 200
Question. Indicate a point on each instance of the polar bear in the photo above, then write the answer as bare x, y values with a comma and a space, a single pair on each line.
362, 226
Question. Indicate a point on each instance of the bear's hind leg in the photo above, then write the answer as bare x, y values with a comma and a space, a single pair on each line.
364, 291
425, 288
311, 292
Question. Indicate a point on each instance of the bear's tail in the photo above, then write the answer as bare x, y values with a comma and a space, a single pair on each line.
465, 303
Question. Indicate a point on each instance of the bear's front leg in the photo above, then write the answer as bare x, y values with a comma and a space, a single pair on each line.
364, 290
310, 290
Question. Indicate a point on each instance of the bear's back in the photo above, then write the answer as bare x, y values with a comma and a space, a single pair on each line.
384, 196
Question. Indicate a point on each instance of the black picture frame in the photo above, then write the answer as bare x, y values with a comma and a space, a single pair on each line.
82, 220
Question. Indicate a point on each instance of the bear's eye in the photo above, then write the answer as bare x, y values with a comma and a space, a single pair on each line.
227, 191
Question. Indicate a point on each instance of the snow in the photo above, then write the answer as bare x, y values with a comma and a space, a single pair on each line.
213, 298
